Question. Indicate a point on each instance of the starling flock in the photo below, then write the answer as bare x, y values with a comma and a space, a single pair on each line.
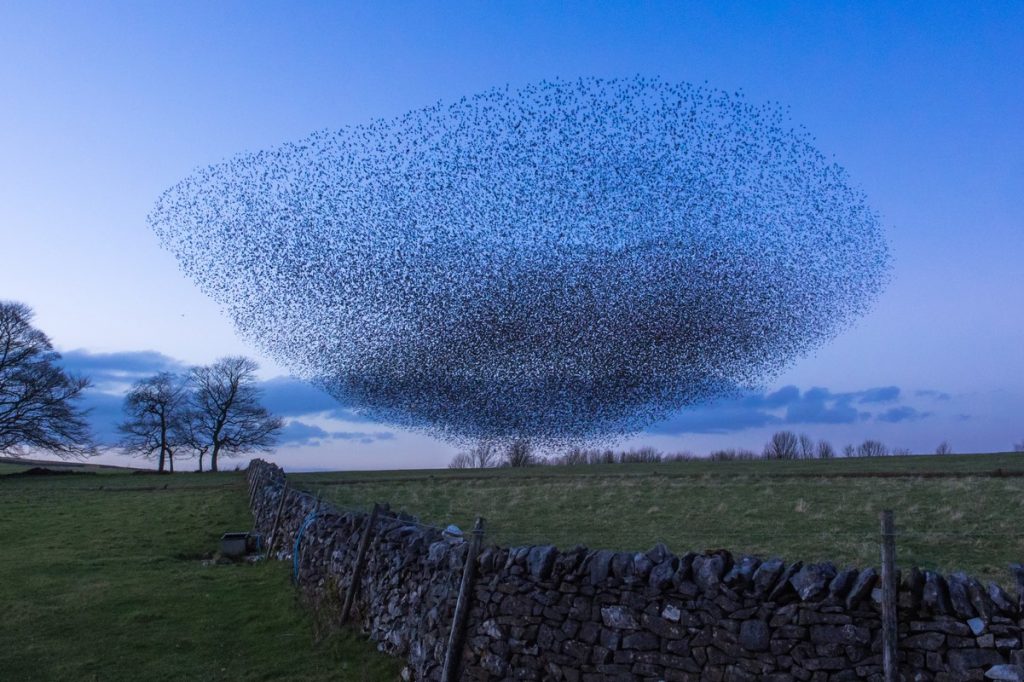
566, 262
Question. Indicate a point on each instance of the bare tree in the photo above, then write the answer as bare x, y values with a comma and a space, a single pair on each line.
849, 450
1018, 447
732, 454
189, 431
872, 448
38, 409
519, 454
901, 452
944, 448
806, 447
152, 409
461, 460
481, 456
825, 450
783, 445
226, 409
484, 455
647, 455
574, 457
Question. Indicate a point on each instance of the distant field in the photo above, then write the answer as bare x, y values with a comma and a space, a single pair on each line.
107, 584
959, 512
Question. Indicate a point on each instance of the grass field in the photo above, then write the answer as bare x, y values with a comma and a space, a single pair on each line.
958, 512
106, 584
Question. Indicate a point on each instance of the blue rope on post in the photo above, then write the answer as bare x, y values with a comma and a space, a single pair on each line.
298, 539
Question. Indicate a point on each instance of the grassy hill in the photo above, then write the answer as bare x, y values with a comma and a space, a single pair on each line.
101, 578
958, 512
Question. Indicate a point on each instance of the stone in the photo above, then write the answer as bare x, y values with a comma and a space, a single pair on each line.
661, 575
642, 566
708, 571
619, 618
742, 573
963, 660
840, 585
622, 564
811, 582
672, 613
1018, 573
935, 596
767, 574
1000, 599
540, 560
658, 553
600, 566
862, 587
1007, 673
977, 625
641, 641
979, 599
840, 634
754, 635
959, 599
782, 586
926, 641
913, 586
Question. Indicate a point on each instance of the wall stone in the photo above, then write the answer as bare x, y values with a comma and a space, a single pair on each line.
539, 613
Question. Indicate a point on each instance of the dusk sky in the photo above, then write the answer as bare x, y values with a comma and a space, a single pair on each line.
105, 105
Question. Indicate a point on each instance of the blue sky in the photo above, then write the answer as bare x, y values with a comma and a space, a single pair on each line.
107, 104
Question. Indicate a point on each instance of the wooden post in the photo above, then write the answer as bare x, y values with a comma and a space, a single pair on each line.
302, 549
277, 520
357, 570
254, 484
890, 662
453, 655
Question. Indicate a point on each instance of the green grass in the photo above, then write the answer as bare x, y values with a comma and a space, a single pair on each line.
951, 514
106, 584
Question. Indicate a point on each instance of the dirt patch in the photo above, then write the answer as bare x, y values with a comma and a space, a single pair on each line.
43, 471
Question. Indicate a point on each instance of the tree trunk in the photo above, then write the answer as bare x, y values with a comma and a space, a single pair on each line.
201, 453
160, 466
170, 461
213, 457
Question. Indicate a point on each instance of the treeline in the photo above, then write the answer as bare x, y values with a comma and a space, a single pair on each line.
783, 445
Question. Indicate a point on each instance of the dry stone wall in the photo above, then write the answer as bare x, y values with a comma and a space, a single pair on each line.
538, 613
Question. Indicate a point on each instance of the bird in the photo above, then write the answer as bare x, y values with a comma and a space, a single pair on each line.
568, 262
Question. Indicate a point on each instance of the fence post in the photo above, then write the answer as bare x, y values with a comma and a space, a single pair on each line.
357, 570
890, 662
254, 484
277, 520
302, 549
453, 654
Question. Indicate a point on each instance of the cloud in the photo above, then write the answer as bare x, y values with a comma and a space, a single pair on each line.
363, 437
720, 417
883, 394
291, 397
934, 395
300, 433
820, 406
902, 414
117, 369
788, 406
